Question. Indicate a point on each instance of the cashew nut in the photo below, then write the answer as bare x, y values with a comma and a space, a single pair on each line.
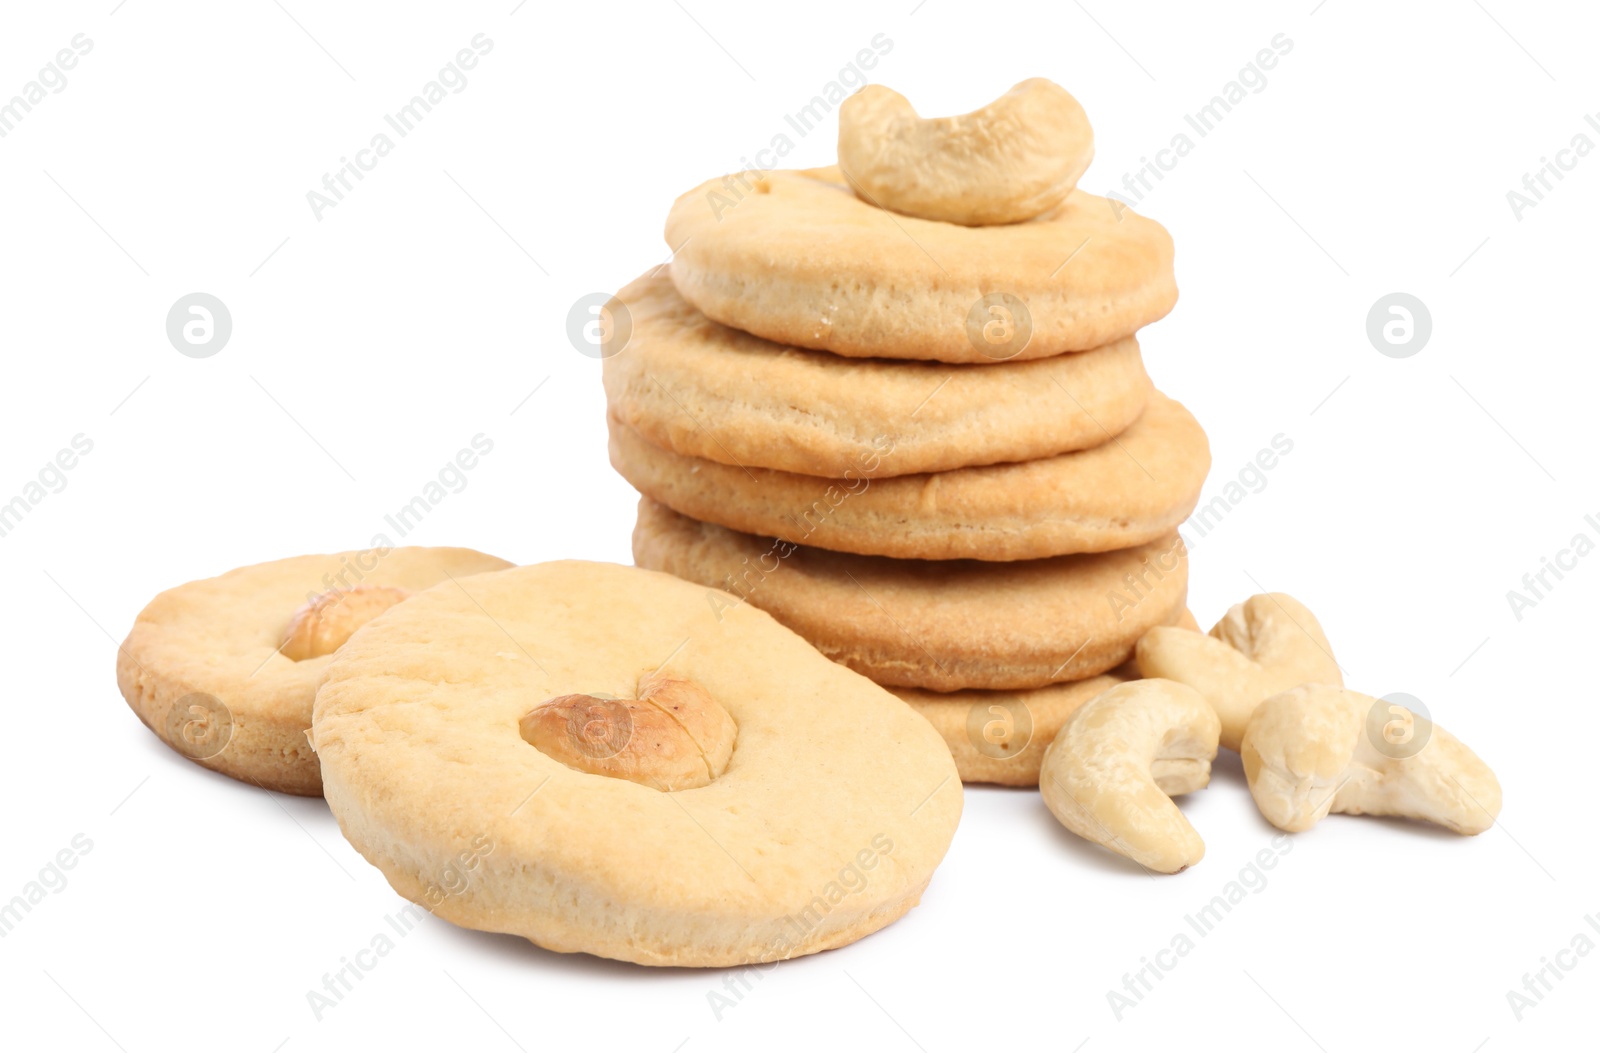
1112, 770
1317, 749
1267, 644
1017, 158
324, 624
674, 736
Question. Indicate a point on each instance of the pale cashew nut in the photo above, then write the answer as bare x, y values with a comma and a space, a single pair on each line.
1267, 644
1310, 751
1113, 768
1017, 158
674, 736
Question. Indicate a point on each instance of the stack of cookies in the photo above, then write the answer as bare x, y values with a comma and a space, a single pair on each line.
899, 404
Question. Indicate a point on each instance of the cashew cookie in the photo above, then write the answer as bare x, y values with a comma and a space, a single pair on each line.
1116, 495
701, 389
224, 670
943, 625
798, 258
652, 782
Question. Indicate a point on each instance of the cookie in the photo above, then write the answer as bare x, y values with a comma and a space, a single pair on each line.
1000, 737
692, 386
1126, 492
798, 258
224, 670
512, 756
942, 625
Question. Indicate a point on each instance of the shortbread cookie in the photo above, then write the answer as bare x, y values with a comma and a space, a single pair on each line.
1129, 491
698, 388
531, 736
798, 258
224, 670
1000, 737
936, 624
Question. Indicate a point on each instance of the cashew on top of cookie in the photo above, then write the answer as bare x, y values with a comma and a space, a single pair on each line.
674, 736
1265, 645
323, 625
1112, 769
1016, 158
1317, 749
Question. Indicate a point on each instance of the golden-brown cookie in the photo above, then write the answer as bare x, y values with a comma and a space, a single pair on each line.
1000, 737
824, 806
937, 624
1122, 493
798, 258
224, 670
698, 388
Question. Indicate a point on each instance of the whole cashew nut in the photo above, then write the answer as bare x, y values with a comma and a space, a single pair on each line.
325, 623
1309, 751
1267, 644
1112, 770
1017, 158
674, 736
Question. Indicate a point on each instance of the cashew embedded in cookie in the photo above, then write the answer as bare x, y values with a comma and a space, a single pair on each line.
1267, 644
1309, 751
1112, 770
323, 625
674, 736
1016, 158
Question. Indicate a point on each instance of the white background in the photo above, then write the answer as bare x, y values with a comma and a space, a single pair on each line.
372, 344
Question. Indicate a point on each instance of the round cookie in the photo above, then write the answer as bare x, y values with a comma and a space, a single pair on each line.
1000, 737
1122, 493
940, 625
445, 767
692, 386
796, 257
213, 668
